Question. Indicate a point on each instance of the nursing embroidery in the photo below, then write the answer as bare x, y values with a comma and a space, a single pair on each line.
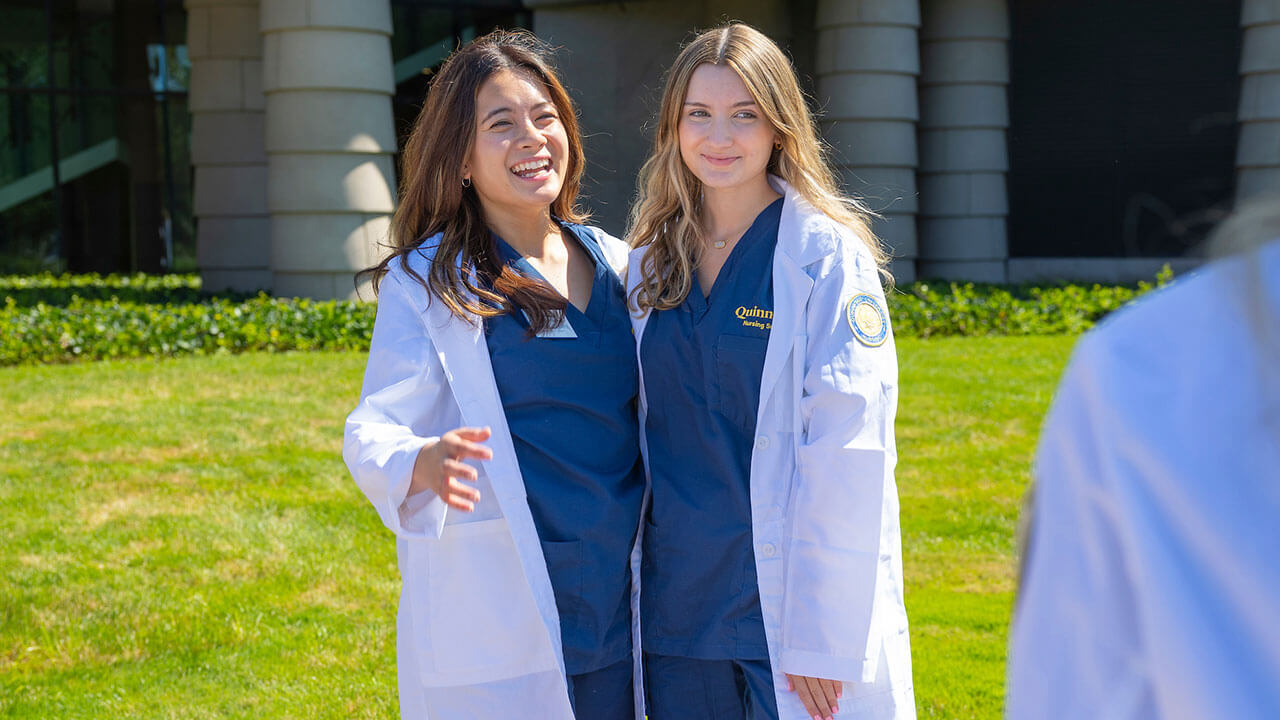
868, 320
754, 317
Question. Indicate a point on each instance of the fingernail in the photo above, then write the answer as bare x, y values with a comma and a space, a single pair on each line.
817, 717
789, 685
835, 708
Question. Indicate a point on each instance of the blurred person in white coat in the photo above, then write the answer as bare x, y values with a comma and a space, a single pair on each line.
496, 432
772, 571
1152, 581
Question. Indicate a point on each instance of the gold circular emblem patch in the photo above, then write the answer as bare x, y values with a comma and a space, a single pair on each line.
868, 320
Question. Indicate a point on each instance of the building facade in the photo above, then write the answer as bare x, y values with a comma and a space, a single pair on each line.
999, 140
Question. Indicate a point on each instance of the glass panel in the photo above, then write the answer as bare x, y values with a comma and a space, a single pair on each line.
23, 45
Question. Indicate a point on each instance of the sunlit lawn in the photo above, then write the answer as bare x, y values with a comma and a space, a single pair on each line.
182, 540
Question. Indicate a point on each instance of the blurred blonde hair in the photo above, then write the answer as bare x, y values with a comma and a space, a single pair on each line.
666, 217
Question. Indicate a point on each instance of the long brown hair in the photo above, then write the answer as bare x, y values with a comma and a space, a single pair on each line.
433, 199
667, 215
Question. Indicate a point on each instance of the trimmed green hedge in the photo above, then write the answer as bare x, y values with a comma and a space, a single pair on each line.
95, 330
51, 319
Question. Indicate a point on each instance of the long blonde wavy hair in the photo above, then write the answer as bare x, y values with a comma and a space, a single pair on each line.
666, 217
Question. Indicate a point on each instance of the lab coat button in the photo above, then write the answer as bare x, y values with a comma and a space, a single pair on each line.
769, 550
762, 442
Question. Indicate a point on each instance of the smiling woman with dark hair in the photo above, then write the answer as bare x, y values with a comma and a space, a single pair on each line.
503, 337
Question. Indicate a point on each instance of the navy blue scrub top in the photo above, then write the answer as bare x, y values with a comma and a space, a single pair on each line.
570, 405
702, 363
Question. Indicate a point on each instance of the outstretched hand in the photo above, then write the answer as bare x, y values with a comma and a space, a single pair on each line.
440, 467
819, 696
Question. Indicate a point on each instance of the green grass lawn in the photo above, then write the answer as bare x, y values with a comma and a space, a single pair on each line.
182, 539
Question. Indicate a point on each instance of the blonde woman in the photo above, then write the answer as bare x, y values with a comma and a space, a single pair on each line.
771, 579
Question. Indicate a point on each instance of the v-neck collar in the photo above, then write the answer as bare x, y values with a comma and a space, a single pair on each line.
699, 303
513, 257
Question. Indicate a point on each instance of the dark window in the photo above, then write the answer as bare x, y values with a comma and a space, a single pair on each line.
1123, 125
94, 166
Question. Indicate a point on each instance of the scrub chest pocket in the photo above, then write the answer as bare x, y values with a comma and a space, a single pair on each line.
473, 571
737, 380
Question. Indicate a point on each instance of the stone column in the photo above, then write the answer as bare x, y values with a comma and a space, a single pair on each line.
227, 153
1258, 154
867, 61
964, 158
327, 76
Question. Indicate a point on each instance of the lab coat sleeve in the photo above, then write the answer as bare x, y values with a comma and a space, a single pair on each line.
844, 469
1075, 644
615, 251
402, 382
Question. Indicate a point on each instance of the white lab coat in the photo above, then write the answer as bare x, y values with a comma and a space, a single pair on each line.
1152, 587
478, 633
824, 504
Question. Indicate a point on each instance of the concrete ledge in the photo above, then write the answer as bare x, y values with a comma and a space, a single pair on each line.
216, 85
883, 189
963, 106
352, 122
233, 243
230, 138
325, 183
1259, 144
963, 150
872, 142
903, 272
868, 96
327, 59
898, 233
1107, 271
966, 61
963, 194
944, 19
364, 15
1261, 51
831, 13
327, 243
986, 271
1260, 97
1256, 12
967, 238
320, 286
235, 190
1254, 181
233, 32
221, 280
867, 47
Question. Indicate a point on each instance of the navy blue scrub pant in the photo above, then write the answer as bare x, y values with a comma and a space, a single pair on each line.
677, 688
604, 694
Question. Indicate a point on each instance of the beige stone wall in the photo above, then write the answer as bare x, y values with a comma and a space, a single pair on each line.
227, 150
867, 64
329, 138
1258, 153
964, 159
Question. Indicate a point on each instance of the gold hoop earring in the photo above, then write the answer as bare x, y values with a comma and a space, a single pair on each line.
777, 144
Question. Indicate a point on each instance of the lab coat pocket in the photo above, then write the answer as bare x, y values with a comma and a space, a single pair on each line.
479, 610
738, 363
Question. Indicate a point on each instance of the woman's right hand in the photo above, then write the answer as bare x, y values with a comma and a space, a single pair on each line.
440, 467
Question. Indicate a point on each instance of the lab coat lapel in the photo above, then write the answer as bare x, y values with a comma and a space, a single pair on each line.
464, 356
791, 285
